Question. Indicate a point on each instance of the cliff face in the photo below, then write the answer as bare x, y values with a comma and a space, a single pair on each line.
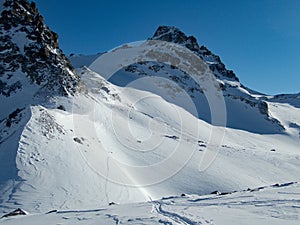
28, 48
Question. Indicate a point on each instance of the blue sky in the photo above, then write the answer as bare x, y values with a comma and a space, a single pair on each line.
258, 39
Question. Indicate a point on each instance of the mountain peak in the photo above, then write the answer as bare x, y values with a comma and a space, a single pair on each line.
170, 33
175, 35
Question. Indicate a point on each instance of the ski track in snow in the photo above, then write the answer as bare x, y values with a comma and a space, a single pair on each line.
106, 179
274, 205
176, 218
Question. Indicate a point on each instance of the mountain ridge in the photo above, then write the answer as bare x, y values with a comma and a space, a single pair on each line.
249, 104
175, 35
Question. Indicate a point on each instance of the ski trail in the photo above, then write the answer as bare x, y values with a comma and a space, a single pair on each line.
175, 217
106, 179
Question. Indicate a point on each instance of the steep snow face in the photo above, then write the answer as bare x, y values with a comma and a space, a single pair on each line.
291, 121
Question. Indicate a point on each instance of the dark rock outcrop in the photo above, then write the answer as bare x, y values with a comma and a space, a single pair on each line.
17, 212
28, 46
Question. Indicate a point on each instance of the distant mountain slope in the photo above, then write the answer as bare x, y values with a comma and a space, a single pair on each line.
83, 60
245, 110
292, 99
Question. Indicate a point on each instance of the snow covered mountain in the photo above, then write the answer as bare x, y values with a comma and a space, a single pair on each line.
244, 108
83, 138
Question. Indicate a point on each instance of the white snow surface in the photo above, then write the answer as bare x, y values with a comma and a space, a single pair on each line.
274, 205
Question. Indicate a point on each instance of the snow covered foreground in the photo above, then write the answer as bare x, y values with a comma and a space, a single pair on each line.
278, 204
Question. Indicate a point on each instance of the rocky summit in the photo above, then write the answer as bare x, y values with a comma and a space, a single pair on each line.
175, 35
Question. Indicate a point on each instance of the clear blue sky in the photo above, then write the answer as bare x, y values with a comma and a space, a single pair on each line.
258, 39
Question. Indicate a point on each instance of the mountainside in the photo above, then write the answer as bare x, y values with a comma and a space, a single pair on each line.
123, 128
32, 67
32, 71
245, 110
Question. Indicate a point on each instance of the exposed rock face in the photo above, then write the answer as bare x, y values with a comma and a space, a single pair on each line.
33, 69
173, 34
29, 48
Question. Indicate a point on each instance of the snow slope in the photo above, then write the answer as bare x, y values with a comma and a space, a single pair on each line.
124, 145
275, 205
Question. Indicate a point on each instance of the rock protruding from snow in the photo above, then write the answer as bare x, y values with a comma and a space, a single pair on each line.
173, 34
29, 48
17, 212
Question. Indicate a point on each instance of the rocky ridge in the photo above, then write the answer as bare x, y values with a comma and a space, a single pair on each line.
29, 48
173, 34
